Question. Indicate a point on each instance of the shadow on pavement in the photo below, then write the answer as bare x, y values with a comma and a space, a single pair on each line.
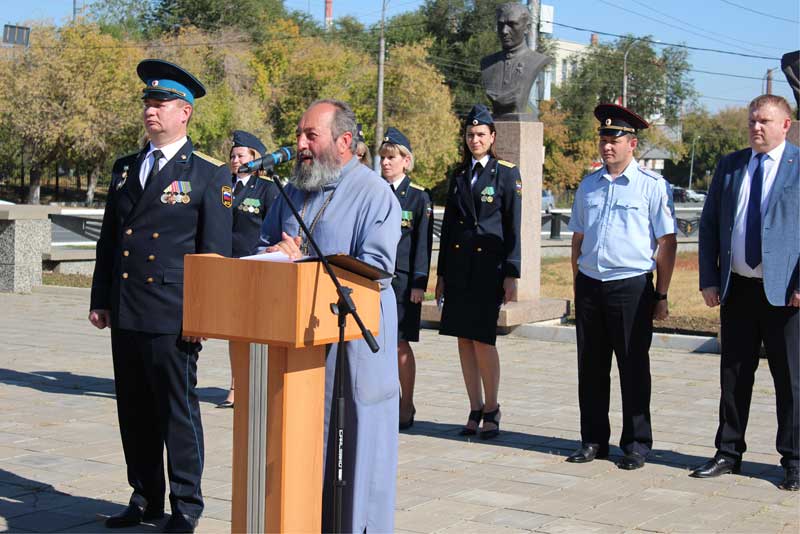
564, 447
30, 506
71, 384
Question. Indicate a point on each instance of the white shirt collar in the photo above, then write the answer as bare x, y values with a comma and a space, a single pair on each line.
244, 178
483, 161
169, 150
775, 154
396, 183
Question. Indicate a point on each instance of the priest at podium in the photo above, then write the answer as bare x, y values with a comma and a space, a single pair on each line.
348, 209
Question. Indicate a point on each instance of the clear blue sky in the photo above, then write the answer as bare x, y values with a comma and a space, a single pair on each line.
717, 24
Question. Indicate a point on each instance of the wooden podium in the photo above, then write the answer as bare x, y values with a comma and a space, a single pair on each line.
277, 434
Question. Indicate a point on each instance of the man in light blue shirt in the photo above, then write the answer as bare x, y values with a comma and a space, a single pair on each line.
621, 216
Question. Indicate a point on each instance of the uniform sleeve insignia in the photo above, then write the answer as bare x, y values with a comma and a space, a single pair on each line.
505, 163
227, 196
518, 188
206, 157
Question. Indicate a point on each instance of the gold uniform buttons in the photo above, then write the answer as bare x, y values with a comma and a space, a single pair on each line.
155, 235
126, 253
458, 246
151, 257
125, 276
149, 279
129, 231
479, 249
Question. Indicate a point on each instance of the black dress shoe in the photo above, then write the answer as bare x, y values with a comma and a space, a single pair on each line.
405, 425
225, 404
181, 523
587, 453
791, 479
132, 516
631, 461
718, 465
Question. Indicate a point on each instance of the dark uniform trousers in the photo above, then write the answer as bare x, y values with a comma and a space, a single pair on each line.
748, 319
147, 368
615, 316
183, 209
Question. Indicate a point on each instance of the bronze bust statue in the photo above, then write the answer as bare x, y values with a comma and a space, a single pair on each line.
508, 75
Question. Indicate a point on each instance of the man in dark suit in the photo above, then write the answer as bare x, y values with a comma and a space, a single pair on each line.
749, 251
164, 202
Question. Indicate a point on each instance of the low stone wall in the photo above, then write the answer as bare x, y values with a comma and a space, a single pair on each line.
24, 238
69, 261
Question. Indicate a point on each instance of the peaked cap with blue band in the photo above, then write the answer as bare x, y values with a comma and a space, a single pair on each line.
248, 140
167, 81
616, 120
479, 114
396, 137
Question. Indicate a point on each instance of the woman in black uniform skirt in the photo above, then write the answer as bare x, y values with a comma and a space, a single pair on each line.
413, 259
252, 197
479, 264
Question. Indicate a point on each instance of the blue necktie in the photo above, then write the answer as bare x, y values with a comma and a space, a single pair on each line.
752, 236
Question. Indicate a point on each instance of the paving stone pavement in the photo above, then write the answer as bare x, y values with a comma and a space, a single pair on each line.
62, 469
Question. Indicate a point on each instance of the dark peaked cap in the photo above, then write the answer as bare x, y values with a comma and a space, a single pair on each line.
616, 120
248, 140
167, 81
396, 137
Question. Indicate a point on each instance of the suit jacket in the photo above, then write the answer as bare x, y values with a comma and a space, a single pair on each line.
416, 236
481, 227
780, 226
138, 274
249, 208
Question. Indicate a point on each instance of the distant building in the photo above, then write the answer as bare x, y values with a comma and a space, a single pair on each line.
566, 55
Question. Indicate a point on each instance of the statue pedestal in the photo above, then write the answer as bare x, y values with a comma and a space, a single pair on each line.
522, 143
794, 133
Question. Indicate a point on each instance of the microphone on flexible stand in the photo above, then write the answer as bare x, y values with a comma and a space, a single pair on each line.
270, 161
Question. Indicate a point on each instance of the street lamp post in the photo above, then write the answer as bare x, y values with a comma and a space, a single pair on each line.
691, 163
625, 74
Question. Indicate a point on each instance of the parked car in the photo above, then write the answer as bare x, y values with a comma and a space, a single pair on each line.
678, 194
548, 200
695, 196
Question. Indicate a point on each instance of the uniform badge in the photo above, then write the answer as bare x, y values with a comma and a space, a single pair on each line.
518, 188
227, 196
429, 210
406, 218
124, 177
250, 205
487, 195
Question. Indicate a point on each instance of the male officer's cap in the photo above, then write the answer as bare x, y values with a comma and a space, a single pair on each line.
166, 81
616, 120
396, 137
360, 133
479, 114
248, 140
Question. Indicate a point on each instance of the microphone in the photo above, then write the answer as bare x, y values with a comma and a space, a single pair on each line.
282, 155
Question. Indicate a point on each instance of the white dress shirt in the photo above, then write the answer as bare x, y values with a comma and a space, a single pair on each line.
483, 161
244, 178
770, 163
168, 152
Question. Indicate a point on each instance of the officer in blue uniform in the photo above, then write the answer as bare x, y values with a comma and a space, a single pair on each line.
253, 194
164, 202
622, 217
413, 259
479, 263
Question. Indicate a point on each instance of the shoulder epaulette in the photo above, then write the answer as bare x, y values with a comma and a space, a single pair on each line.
505, 163
416, 186
651, 173
265, 178
208, 158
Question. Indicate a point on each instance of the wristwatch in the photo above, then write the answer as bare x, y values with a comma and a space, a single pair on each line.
660, 296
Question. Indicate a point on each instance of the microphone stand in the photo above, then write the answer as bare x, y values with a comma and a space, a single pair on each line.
343, 307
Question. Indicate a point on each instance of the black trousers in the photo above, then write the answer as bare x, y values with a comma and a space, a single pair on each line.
747, 320
615, 316
155, 377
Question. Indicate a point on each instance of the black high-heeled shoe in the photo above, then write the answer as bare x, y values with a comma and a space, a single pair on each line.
405, 425
475, 416
491, 417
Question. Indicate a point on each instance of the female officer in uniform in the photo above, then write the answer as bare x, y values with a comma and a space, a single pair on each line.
413, 259
252, 197
479, 263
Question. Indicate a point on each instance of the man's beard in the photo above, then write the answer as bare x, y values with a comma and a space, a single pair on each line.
316, 174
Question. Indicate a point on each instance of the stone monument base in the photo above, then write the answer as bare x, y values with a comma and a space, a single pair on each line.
24, 237
512, 314
794, 133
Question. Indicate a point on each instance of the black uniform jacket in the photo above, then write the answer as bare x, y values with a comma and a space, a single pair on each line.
480, 231
416, 233
249, 208
139, 270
